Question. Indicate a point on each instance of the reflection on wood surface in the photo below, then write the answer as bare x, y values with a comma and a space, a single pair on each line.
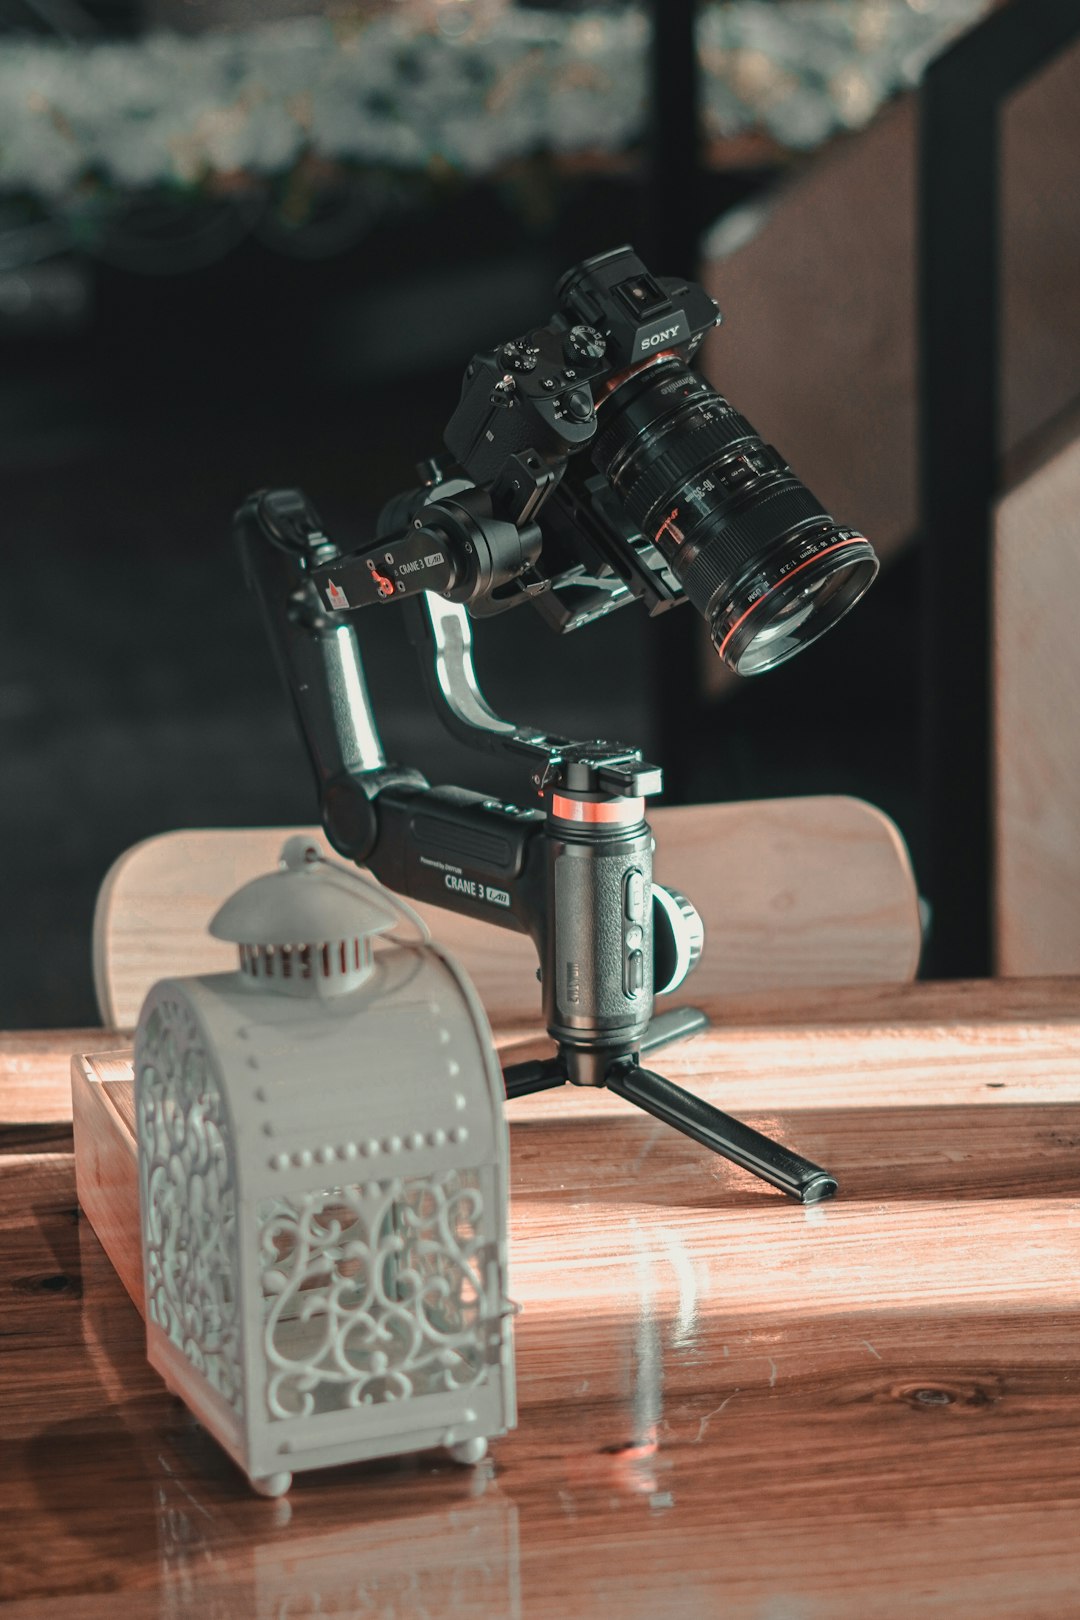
730, 1406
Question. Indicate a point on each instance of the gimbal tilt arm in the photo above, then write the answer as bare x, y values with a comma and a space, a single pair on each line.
575, 876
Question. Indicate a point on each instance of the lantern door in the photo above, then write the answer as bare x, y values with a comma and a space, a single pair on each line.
383, 1317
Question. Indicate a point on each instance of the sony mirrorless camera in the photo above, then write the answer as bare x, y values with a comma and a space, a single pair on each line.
598, 469
659, 489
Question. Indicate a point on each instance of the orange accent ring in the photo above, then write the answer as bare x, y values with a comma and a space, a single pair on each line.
852, 540
609, 387
617, 812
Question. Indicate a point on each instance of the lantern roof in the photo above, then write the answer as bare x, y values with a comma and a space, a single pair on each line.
309, 900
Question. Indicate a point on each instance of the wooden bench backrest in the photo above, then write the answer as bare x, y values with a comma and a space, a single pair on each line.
794, 892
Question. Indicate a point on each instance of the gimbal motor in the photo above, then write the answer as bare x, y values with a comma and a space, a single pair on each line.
683, 501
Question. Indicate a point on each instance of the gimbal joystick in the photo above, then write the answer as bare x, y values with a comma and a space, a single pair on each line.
686, 503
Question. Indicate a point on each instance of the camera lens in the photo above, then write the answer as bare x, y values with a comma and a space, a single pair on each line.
756, 553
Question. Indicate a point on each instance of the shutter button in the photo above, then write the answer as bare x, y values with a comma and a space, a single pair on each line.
578, 405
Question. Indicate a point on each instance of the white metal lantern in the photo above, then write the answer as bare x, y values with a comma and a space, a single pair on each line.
323, 1183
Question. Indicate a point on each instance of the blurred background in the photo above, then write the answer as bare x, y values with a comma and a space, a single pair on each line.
257, 244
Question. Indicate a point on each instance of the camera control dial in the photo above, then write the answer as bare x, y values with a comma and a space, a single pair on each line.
519, 356
585, 343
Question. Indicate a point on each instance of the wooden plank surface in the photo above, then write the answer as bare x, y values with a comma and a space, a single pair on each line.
730, 1406
955, 1042
926, 1215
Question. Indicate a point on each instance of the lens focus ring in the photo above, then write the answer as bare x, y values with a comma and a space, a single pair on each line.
691, 446
753, 549
746, 535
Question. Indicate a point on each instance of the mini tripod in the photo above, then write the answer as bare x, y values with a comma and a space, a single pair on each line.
575, 875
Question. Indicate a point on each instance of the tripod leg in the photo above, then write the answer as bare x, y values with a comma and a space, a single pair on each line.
744, 1146
677, 1024
522, 1078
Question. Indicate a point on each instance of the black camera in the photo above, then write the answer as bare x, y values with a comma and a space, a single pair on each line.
678, 498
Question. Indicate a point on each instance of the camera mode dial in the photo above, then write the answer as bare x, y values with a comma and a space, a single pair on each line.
585, 343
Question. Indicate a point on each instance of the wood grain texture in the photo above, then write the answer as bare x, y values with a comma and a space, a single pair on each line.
995, 1037
926, 1218
792, 892
35, 1072
729, 1406
1037, 693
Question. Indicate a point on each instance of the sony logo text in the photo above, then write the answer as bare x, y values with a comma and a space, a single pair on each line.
658, 338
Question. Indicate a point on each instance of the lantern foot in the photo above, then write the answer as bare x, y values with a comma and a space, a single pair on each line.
271, 1484
469, 1451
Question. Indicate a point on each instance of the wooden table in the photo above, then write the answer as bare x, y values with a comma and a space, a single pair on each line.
730, 1406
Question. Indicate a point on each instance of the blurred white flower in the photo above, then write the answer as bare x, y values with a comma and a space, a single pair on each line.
468, 83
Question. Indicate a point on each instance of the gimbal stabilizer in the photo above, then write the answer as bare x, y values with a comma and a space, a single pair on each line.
574, 875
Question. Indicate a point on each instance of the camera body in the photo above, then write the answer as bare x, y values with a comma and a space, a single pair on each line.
679, 498
540, 391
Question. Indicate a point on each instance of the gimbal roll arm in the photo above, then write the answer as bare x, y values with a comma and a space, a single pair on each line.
442, 635
318, 657
285, 551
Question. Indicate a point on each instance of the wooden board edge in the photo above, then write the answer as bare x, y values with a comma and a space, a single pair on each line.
107, 1174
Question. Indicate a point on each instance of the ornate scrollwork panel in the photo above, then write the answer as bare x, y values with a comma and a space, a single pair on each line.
188, 1200
373, 1292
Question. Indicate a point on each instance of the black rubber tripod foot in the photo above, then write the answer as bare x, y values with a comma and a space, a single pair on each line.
521, 1078
802, 1180
676, 1024
798, 1177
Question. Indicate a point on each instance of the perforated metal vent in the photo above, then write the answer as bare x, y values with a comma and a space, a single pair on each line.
307, 928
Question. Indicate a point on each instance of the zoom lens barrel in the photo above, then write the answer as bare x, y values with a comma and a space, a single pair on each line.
756, 553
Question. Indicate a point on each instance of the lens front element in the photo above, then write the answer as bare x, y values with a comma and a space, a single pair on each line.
754, 550
800, 591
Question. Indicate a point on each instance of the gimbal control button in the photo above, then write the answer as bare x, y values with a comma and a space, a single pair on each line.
634, 975
634, 896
